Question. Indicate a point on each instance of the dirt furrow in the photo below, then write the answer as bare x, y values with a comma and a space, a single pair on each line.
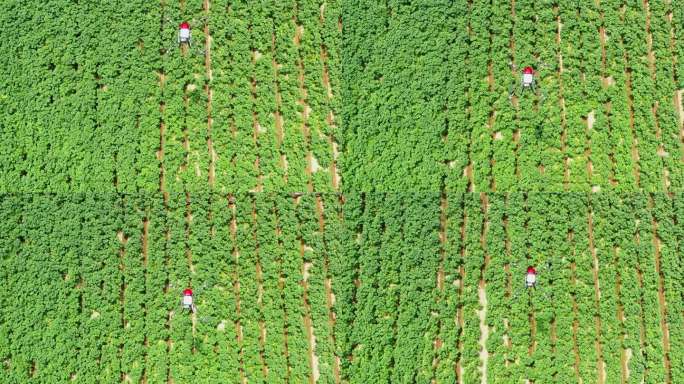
642, 317
308, 323
281, 288
145, 251
561, 100
303, 101
162, 133
575, 308
482, 293
330, 118
624, 368
514, 100
660, 151
437, 342
601, 365
662, 302
209, 92
461, 283
508, 342
236, 290
256, 127
330, 296
123, 240
260, 292
630, 104
280, 132
606, 81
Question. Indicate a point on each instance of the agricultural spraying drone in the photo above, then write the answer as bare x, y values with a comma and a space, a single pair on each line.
527, 82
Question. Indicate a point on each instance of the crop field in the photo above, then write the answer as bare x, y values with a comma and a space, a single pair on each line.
348, 187
320, 288
430, 87
121, 108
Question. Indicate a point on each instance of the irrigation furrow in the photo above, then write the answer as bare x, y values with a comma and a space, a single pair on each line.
438, 342
482, 293
561, 100
597, 297
303, 101
260, 290
662, 302
236, 289
329, 295
281, 287
123, 240
308, 323
630, 103
279, 130
145, 252
209, 92
514, 100
461, 284
575, 311
508, 342
256, 127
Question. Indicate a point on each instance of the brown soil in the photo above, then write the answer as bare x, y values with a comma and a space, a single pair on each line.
260, 294
509, 288
624, 368
256, 127
482, 293
459, 311
640, 279
306, 131
330, 296
308, 323
662, 303
591, 118
162, 130
680, 110
236, 290
630, 103
437, 342
209, 91
280, 132
575, 325
597, 290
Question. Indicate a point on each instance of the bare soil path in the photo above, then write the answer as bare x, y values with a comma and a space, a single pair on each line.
642, 317
256, 127
280, 132
443, 204
123, 241
630, 103
281, 287
575, 309
601, 365
561, 100
624, 367
209, 92
482, 293
236, 290
303, 101
514, 100
459, 311
662, 302
308, 323
145, 252
330, 296
508, 343
260, 292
